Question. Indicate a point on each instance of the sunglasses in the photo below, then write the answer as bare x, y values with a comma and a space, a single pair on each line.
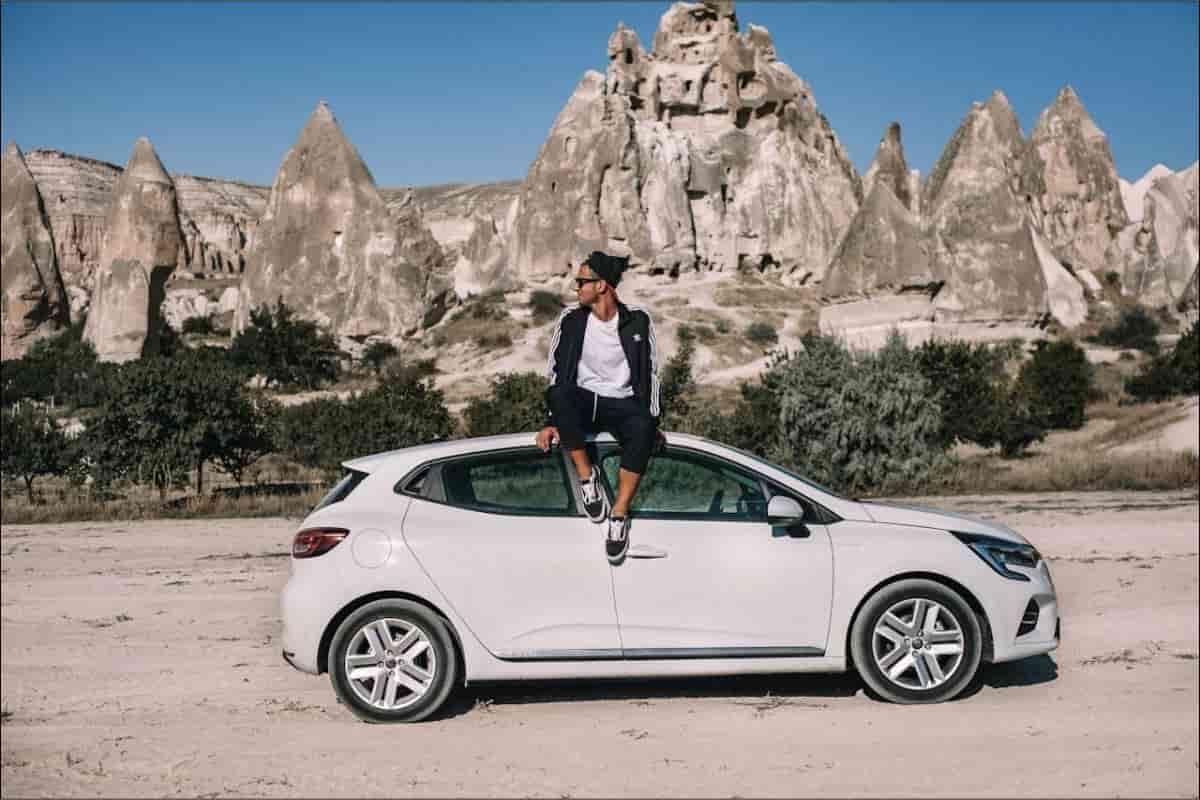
581, 282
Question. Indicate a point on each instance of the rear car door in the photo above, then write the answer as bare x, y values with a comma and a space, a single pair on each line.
501, 536
707, 576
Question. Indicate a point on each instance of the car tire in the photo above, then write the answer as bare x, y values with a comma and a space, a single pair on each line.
916, 641
404, 678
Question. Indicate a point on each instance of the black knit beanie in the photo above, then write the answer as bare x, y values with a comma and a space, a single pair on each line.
607, 267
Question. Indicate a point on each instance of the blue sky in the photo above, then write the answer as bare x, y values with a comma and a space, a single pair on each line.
456, 91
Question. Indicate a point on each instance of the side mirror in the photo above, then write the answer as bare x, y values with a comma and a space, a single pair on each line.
782, 510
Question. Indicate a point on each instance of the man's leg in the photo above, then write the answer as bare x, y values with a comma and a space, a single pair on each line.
636, 430
572, 409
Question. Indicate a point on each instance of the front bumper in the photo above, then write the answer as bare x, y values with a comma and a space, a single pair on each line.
1008, 644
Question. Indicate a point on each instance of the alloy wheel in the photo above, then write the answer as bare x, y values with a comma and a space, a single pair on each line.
391, 663
918, 644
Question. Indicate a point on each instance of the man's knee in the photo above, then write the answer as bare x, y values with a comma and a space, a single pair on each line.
641, 427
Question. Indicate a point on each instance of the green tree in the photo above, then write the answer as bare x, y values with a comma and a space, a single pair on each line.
1169, 374
163, 418
1057, 380
31, 445
288, 351
401, 412
865, 422
972, 389
677, 385
62, 368
517, 403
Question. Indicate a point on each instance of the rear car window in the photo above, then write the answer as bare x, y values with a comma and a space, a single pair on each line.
342, 489
516, 483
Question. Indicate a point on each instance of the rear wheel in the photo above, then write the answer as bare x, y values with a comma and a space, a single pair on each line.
916, 641
393, 661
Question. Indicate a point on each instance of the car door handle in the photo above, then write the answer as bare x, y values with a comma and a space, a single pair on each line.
645, 551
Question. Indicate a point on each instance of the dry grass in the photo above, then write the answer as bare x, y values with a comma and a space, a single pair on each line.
1079, 471
16, 511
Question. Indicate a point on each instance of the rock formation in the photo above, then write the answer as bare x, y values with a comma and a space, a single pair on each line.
218, 219
890, 167
706, 153
1133, 194
1161, 250
142, 246
328, 246
33, 300
1071, 185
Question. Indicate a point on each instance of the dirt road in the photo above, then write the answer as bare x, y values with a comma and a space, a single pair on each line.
142, 659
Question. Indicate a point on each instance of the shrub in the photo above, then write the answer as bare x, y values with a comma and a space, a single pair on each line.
31, 445
1174, 373
762, 333
1135, 330
290, 352
722, 326
857, 422
677, 386
493, 341
971, 384
400, 412
198, 325
377, 354
545, 305
1057, 380
517, 403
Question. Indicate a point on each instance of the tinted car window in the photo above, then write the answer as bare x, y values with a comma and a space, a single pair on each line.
521, 483
342, 489
685, 485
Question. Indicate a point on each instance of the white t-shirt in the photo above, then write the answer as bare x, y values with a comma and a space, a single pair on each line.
602, 365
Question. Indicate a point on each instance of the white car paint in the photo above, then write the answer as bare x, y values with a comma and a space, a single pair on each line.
512, 587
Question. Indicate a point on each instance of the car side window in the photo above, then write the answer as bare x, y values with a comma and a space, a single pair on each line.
689, 486
513, 483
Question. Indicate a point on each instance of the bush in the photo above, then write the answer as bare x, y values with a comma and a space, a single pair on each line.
1057, 381
400, 412
493, 341
1135, 330
762, 333
1174, 373
972, 388
377, 354
677, 386
865, 422
288, 351
517, 403
198, 325
545, 305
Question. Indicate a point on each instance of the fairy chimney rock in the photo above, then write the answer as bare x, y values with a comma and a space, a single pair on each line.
142, 245
328, 246
33, 300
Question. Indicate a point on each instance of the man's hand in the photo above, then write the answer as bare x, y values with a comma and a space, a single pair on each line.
548, 437
660, 443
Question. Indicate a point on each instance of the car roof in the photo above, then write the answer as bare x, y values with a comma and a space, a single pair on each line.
408, 458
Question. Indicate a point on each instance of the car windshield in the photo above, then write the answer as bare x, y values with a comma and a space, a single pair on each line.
784, 470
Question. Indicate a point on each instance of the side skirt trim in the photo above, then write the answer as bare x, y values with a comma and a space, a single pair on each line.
662, 654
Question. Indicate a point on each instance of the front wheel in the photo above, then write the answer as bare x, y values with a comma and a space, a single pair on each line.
393, 661
916, 641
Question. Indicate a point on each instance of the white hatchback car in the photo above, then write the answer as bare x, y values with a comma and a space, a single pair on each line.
471, 560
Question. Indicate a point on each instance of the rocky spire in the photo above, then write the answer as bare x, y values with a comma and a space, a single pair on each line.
142, 246
328, 246
1072, 184
982, 245
33, 301
890, 167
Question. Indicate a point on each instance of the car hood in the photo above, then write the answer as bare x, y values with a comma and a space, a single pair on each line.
922, 517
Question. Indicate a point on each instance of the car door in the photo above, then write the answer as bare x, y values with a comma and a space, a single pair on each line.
501, 536
707, 576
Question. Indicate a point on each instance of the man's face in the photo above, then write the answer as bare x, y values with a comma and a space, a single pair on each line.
588, 287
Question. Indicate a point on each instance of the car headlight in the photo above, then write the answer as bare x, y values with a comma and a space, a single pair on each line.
1000, 554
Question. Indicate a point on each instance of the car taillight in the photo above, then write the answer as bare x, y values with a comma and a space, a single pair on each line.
317, 541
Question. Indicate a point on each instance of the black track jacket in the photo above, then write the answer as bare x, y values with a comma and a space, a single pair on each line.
636, 330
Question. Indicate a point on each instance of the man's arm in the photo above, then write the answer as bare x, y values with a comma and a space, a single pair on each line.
554, 359
653, 344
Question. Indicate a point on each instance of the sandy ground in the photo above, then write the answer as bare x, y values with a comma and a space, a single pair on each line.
142, 659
